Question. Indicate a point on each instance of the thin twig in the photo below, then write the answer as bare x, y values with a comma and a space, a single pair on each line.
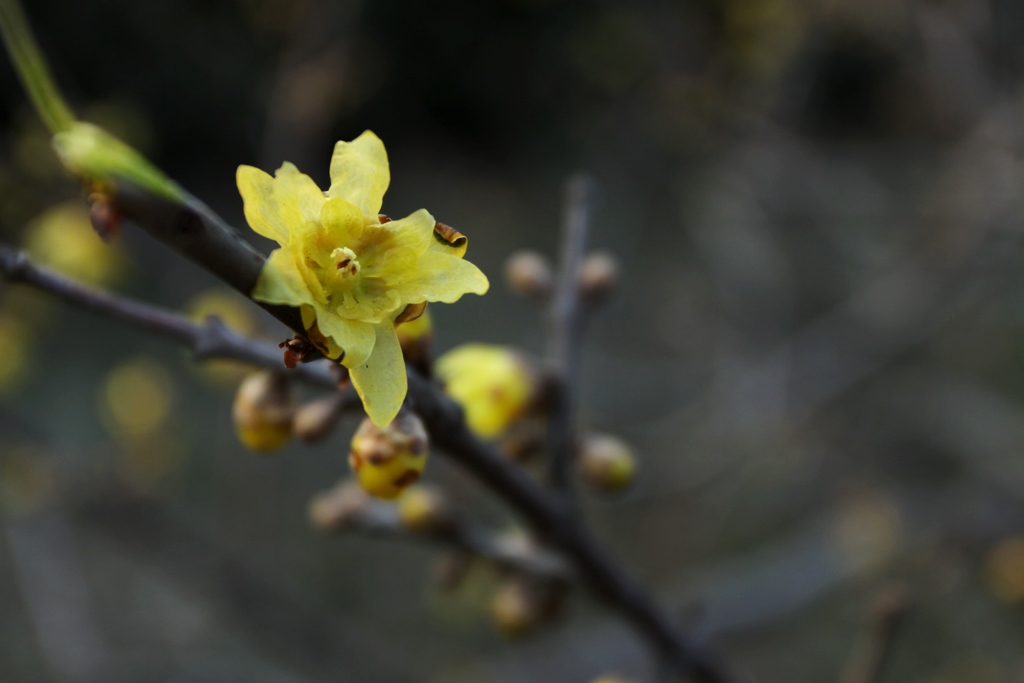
447, 428
565, 331
210, 339
377, 519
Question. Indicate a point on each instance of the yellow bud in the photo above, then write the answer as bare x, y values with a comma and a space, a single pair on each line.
424, 509
528, 273
599, 273
606, 462
331, 510
263, 411
387, 460
315, 420
520, 605
493, 384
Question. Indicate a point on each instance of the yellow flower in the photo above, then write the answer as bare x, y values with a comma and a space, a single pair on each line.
493, 384
350, 274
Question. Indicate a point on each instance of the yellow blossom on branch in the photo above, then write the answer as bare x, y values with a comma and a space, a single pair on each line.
493, 384
350, 271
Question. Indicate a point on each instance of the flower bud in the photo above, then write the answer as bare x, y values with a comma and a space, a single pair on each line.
529, 274
424, 509
521, 604
606, 462
389, 459
263, 411
315, 420
598, 275
493, 384
331, 510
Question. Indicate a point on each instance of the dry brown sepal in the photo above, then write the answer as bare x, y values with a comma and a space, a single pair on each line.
606, 462
598, 276
333, 509
528, 273
263, 411
313, 421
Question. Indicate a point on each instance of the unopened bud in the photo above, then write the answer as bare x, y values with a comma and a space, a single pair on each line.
425, 509
263, 411
521, 604
331, 510
606, 462
315, 420
389, 459
599, 273
528, 273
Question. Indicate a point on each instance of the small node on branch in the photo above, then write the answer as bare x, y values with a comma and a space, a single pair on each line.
263, 411
389, 459
606, 462
313, 421
529, 274
425, 509
598, 276
333, 509
524, 442
105, 216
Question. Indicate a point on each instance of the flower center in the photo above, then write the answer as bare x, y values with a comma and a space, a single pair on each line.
345, 261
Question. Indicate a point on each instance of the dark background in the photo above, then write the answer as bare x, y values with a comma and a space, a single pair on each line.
817, 346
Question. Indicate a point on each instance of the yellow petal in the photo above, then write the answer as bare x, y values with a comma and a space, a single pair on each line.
299, 200
442, 277
415, 231
380, 381
257, 190
281, 207
360, 173
280, 281
355, 337
342, 220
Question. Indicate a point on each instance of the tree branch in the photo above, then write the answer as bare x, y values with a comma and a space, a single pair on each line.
442, 417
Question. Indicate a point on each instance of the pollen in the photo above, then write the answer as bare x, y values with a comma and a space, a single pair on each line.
345, 260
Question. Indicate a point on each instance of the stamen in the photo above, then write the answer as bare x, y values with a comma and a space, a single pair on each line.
345, 260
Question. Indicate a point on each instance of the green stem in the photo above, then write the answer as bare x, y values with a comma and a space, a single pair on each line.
32, 68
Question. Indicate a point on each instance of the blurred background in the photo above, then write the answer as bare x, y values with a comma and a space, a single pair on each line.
817, 348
